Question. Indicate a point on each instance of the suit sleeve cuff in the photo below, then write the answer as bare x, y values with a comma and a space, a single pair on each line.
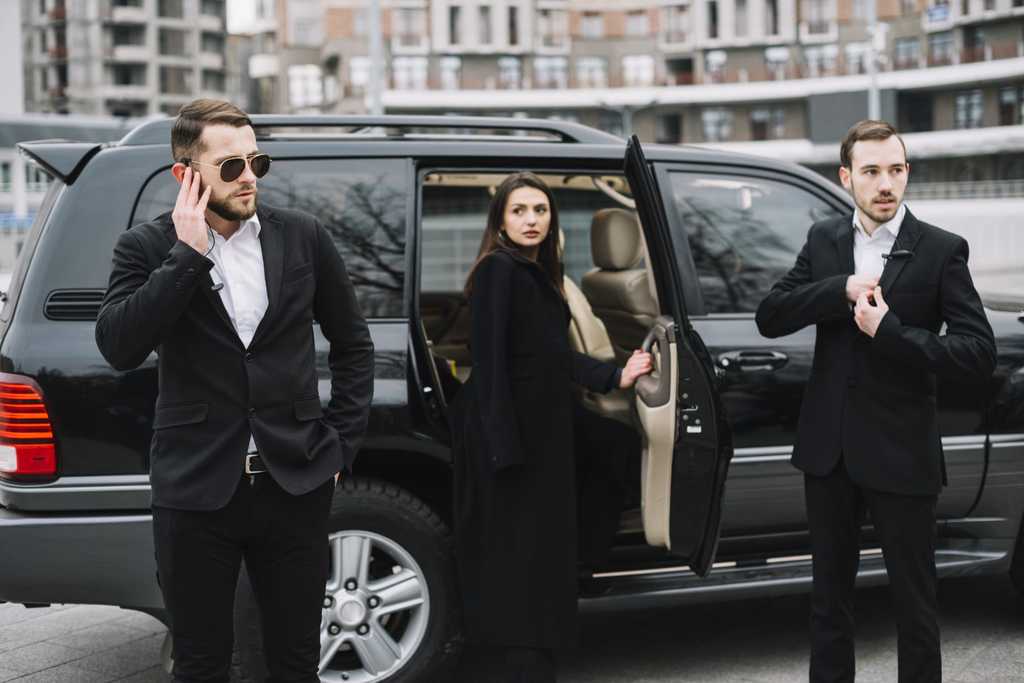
887, 336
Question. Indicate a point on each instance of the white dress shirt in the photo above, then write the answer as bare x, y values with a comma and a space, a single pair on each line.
238, 266
868, 249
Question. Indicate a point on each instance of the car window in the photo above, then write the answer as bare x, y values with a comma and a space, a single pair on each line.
453, 223
361, 203
744, 233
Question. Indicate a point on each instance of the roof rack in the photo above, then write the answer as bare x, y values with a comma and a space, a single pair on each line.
159, 132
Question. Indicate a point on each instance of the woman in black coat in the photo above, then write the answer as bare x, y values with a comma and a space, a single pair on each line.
515, 497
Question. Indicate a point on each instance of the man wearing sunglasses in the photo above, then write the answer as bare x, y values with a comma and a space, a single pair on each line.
244, 459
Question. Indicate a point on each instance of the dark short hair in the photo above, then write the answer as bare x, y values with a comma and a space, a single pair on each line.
867, 129
194, 117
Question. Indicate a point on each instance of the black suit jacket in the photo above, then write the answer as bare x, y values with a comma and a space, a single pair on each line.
213, 392
872, 401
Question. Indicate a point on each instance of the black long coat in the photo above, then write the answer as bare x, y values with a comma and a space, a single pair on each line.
515, 498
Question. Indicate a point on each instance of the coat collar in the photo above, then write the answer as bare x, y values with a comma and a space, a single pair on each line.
271, 242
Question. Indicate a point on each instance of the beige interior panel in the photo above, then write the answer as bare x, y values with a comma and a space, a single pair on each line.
658, 426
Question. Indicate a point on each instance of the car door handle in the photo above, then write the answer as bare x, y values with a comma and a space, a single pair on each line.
752, 361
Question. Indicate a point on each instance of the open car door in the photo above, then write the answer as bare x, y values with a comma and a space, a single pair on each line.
687, 445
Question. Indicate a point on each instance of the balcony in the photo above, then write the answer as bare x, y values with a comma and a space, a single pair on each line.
211, 60
125, 92
128, 53
58, 53
209, 22
126, 15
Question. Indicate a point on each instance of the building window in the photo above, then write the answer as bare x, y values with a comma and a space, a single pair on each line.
551, 72
175, 80
776, 59
410, 26
940, 49
712, 9
907, 53
821, 60
908, 7
513, 26
968, 109
485, 30
358, 74
768, 123
130, 34
592, 25
714, 65
510, 72
171, 9
675, 22
592, 72
818, 16
126, 74
856, 58
610, 122
771, 16
172, 42
742, 22
213, 80
638, 23
670, 129
410, 73
213, 42
5, 176
1010, 109
454, 21
553, 27
637, 70
451, 73
717, 124
305, 86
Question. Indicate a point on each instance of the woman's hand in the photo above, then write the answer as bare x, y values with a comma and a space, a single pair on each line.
640, 363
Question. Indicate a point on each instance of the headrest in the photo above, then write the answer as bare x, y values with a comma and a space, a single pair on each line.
615, 240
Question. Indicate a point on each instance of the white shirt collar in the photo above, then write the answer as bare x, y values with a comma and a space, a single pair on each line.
892, 226
252, 223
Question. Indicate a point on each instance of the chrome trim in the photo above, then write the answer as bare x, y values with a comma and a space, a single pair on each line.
1003, 439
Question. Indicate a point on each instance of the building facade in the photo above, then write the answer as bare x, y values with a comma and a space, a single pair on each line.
779, 77
126, 58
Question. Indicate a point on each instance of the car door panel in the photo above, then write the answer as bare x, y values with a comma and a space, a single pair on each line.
686, 442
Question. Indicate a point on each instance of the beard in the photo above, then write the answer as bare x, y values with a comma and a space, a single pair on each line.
867, 205
231, 208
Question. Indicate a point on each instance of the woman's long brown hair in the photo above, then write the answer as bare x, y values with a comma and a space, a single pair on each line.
494, 237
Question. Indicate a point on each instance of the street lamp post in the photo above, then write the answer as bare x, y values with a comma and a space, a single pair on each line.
874, 105
376, 84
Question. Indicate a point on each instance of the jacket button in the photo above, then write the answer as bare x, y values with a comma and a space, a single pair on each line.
252, 411
248, 356
190, 271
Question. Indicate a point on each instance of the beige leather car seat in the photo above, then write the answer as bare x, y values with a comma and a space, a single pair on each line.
620, 289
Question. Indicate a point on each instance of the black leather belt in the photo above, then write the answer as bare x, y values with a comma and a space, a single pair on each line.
254, 464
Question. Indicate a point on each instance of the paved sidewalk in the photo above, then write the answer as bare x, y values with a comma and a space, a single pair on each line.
762, 640
79, 644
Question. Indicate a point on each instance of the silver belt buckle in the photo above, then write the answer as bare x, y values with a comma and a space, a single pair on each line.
249, 469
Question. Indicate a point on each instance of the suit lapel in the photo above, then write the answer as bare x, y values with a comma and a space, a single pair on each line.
272, 245
844, 243
207, 283
910, 233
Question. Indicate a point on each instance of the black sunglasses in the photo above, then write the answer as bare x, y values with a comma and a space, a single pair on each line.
231, 168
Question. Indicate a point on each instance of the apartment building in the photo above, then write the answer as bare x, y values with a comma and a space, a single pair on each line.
779, 77
125, 58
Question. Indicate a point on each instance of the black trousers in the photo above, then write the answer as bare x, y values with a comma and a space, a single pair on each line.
283, 540
497, 664
906, 531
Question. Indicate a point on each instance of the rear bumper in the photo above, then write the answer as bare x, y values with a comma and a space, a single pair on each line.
85, 559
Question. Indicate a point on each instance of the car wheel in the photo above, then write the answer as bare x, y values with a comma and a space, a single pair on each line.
390, 605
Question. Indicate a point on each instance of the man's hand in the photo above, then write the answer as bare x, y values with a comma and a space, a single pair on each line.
640, 363
869, 316
189, 214
859, 284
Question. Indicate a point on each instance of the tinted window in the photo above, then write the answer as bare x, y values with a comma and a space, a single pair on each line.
454, 218
744, 233
361, 202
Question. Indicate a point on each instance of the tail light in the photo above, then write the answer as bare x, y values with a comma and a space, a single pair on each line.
27, 446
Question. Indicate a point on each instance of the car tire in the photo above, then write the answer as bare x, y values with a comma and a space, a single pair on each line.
399, 522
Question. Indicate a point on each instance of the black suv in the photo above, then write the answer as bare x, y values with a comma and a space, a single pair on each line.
673, 252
